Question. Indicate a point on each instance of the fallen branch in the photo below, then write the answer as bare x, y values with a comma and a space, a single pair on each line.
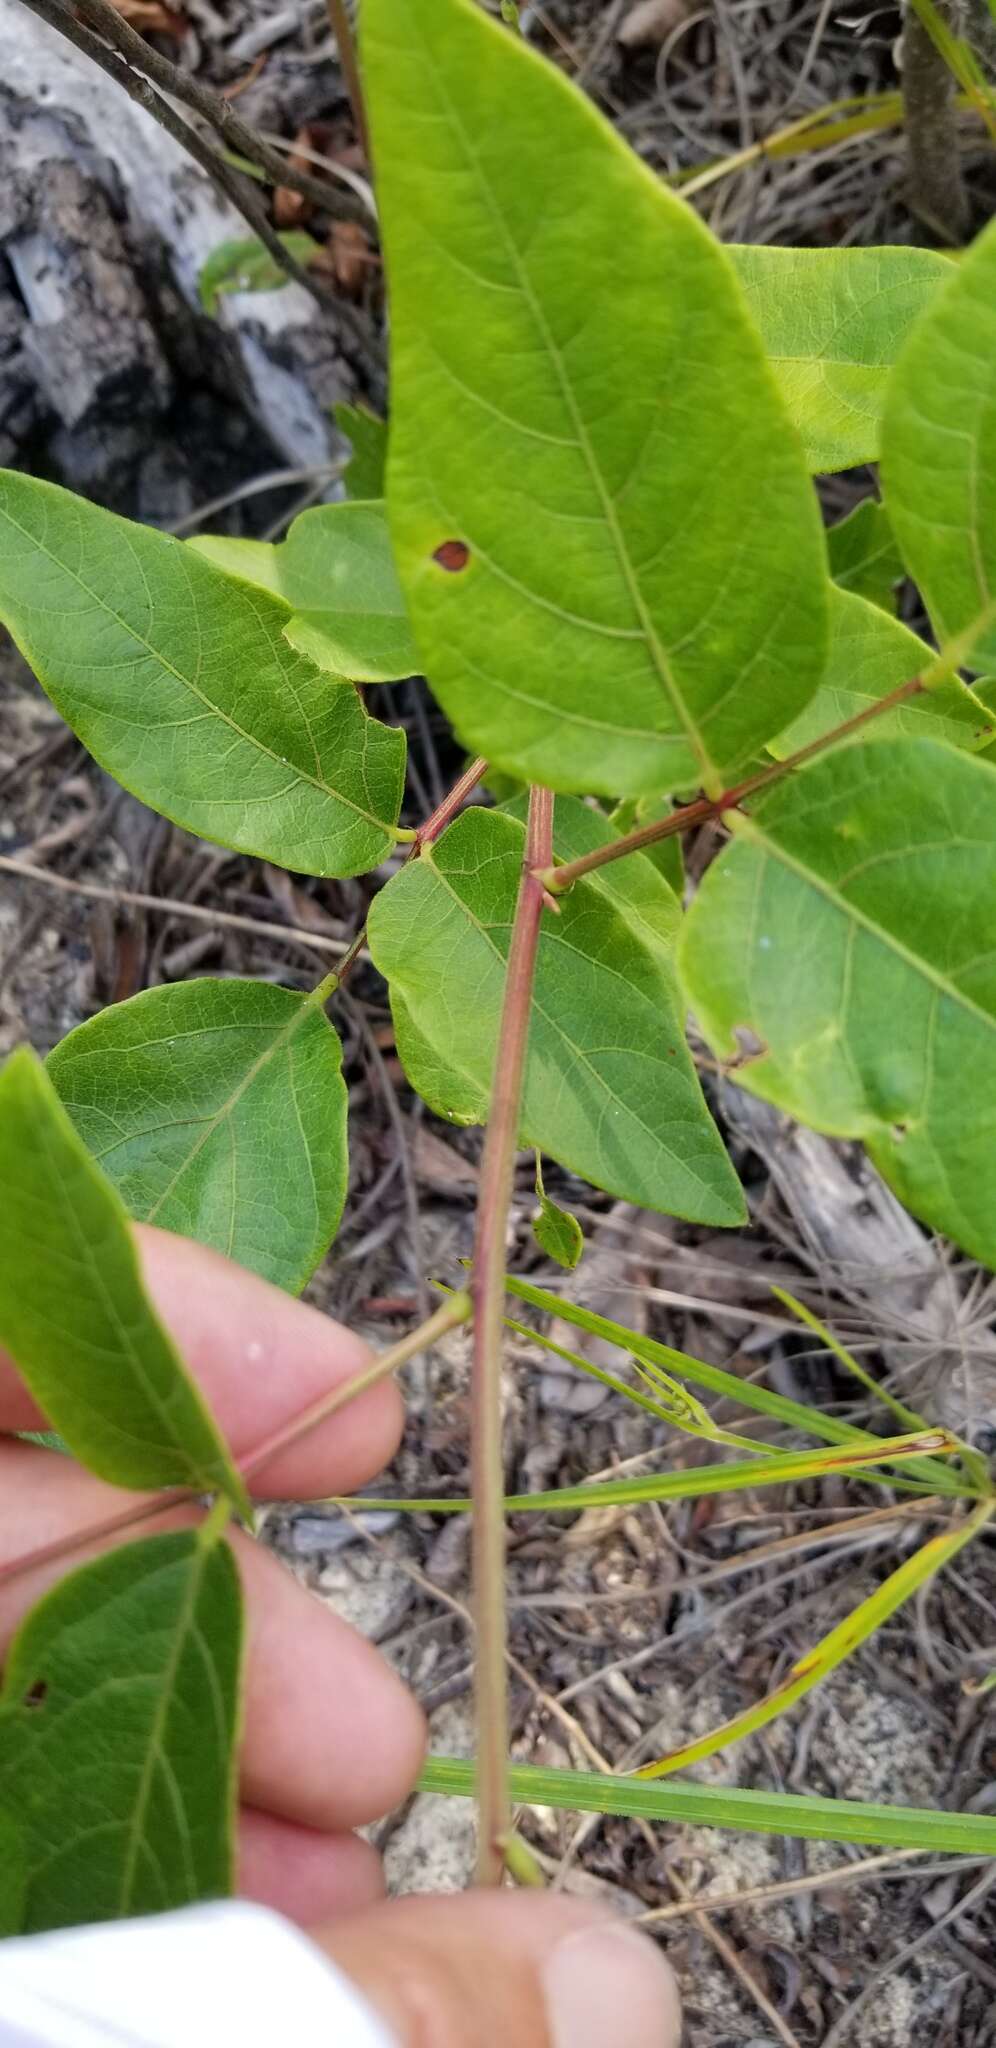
235, 188
236, 133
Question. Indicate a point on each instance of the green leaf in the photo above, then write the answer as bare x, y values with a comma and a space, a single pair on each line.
939, 451
833, 322
218, 1109
610, 1090
633, 884
556, 1230
635, 597
335, 573
727, 1806
448, 1092
247, 266
871, 654
845, 946
179, 681
12, 1878
863, 554
250, 561
74, 1314
364, 476
118, 1721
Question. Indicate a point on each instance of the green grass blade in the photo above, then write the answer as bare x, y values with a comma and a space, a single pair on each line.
841, 1642
909, 1417
674, 1405
722, 1806
794, 1414
779, 1469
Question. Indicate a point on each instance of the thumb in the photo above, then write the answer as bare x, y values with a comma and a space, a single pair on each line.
485, 1970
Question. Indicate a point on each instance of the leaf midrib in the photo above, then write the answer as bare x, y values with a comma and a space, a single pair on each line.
213, 710
650, 635
155, 1746
283, 1037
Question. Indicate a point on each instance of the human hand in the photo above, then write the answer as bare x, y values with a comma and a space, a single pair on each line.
332, 1738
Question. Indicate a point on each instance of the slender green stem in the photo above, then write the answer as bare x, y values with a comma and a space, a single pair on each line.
455, 1310
488, 1292
705, 808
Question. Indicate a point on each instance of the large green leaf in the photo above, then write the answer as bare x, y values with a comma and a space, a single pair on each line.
844, 947
335, 573
74, 1314
451, 1094
610, 1090
118, 1721
633, 594
939, 451
863, 554
179, 680
833, 322
871, 654
12, 1878
218, 1109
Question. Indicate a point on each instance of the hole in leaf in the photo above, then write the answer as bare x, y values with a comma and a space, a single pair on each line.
898, 1131
37, 1694
452, 555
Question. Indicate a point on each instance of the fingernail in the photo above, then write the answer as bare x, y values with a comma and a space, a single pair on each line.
610, 1984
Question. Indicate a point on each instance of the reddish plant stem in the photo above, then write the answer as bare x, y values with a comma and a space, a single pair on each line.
452, 802
488, 1294
455, 1310
705, 808
434, 825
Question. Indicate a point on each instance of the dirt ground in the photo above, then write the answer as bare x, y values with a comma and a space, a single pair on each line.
630, 1630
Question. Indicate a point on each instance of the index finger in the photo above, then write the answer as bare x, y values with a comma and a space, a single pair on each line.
260, 1358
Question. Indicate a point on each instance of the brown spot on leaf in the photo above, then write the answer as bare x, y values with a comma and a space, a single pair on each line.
452, 555
37, 1694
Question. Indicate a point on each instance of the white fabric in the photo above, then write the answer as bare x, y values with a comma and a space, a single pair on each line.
198, 1979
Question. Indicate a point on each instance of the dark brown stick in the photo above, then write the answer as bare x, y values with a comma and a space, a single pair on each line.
235, 188
236, 133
